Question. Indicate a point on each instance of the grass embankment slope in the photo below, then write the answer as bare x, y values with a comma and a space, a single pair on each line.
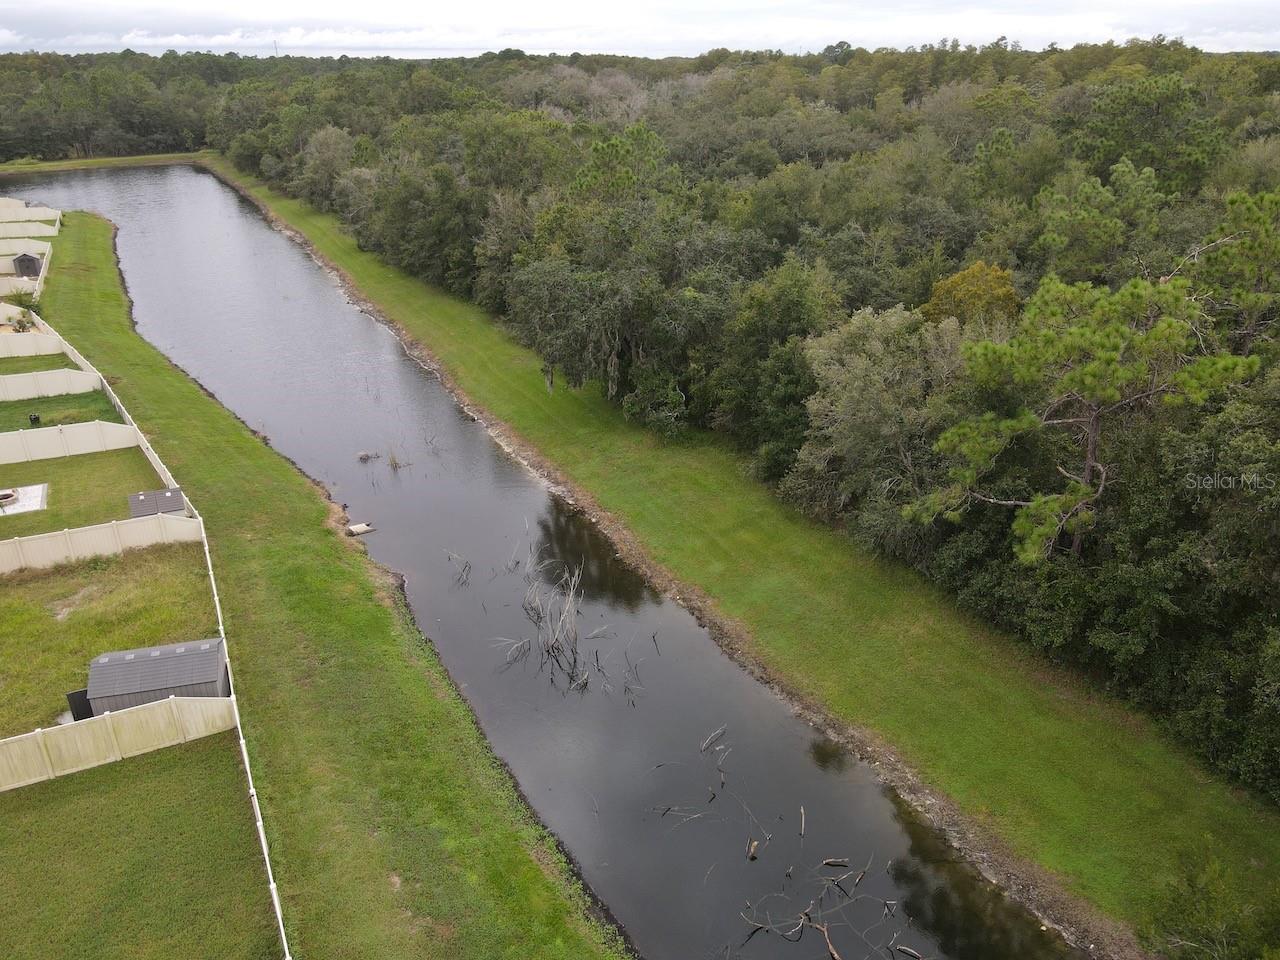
151, 858
1070, 780
53, 622
393, 830
55, 411
92, 163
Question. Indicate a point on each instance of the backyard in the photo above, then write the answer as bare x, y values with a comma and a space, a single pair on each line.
86, 489
44, 361
53, 622
54, 411
149, 858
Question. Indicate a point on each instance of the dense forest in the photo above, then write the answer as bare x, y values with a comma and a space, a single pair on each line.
1005, 316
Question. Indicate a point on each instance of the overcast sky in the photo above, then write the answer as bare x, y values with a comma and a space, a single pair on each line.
643, 27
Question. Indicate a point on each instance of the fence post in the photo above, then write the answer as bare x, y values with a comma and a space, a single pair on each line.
115, 740
177, 718
44, 753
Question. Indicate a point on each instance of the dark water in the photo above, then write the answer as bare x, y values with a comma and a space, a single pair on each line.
659, 825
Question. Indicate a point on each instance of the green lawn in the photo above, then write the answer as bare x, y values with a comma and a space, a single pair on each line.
64, 408
53, 622
90, 488
394, 831
46, 166
44, 361
150, 858
1066, 777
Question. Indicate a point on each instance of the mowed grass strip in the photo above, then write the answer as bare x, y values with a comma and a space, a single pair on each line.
55, 411
83, 490
150, 858
1066, 777
394, 831
26, 165
44, 361
53, 622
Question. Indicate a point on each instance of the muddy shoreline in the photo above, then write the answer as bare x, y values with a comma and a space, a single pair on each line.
1079, 922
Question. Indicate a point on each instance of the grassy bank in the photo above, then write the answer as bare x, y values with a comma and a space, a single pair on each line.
90, 488
54, 411
92, 163
47, 361
150, 858
1067, 778
394, 832
53, 622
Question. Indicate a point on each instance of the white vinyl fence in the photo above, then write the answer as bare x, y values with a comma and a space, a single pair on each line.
47, 383
9, 313
10, 248
167, 478
15, 210
45, 754
67, 440
27, 228
9, 285
39, 551
29, 344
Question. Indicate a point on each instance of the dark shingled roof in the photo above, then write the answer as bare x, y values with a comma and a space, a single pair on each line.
155, 668
150, 502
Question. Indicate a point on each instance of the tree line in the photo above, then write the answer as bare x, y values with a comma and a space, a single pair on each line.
1006, 316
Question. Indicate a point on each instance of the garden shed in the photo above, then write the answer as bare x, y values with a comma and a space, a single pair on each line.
127, 678
150, 502
27, 265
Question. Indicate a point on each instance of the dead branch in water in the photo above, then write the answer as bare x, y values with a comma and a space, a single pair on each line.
712, 738
461, 568
842, 918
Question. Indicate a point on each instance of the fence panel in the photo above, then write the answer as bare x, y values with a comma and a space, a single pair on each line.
72, 439
46, 383
22, 761
98, 540
79, 746
29, 344
45, 754
27, 228
42, 550
204, 716
19, 212
141, 731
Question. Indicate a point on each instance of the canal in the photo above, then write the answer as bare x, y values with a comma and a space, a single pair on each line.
709, 819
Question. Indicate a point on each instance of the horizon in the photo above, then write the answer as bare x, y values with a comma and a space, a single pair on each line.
256, 54
667, 28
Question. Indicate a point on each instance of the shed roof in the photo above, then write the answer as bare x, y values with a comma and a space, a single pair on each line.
149, 502
156, 668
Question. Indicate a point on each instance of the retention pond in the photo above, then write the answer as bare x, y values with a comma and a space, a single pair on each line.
709, 819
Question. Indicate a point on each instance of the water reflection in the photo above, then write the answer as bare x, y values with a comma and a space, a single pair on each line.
567, 535
828, 754
940, 896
